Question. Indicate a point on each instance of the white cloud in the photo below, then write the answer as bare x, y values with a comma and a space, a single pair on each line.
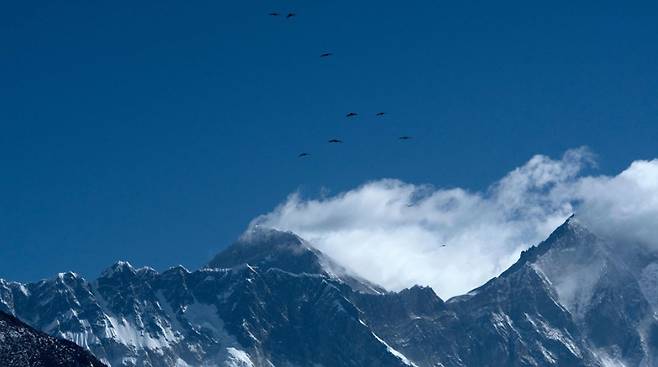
392, 232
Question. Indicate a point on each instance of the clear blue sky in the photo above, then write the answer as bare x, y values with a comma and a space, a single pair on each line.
155, 131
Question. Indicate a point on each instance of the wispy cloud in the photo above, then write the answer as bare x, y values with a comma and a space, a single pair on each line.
393, 233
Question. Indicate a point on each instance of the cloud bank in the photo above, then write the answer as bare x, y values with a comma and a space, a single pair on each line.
398, 234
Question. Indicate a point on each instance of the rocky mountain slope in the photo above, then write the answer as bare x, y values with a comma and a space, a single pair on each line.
272, 300
21, 345
236, 315
573, 300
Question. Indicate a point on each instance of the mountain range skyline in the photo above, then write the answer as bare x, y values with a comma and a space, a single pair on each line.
269, 252
431, 236
155, 132
272, 246
271, 299
328, 184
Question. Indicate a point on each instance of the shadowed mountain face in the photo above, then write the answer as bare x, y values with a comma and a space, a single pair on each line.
21, 346
267, 249
570, 301
273, 300
287, 309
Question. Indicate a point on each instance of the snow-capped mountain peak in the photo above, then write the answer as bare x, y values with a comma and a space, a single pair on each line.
267, 248
120, 267
271, 299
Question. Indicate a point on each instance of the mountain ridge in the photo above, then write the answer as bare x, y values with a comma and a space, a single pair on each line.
271, 299
21, 345
271, 248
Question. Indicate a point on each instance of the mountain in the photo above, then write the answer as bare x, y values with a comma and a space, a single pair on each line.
513, 320
271, 299
21, 345
238, 314
267, 248
573, 300
599, 288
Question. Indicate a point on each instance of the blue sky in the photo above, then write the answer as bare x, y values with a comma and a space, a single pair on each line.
155, 132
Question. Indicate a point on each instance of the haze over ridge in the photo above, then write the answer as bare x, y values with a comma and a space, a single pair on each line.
398, 234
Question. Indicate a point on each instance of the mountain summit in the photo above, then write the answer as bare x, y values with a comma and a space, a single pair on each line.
267, 248
272, 299
268, 300
270, 248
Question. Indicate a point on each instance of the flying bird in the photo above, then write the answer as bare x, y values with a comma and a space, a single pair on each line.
274, 14
290, 15
351, 114
335, 141
380, 113
302, 155
326, 54
404, 137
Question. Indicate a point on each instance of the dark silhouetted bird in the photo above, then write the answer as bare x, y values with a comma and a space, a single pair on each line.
326, 54
381, 113
444, 245
351, 114
290, 15
335, 141
302, 155
404, 137
274, 14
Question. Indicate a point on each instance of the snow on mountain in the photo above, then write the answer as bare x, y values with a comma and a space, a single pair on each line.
271, 299
269, 248
21, 346
575, 300
601, 289
237, 315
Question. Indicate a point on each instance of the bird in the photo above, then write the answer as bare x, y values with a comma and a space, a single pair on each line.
351, 114
274, 14
302, 155
404, 137
444, 245
326, 54
290, 15
380, 113
335, 141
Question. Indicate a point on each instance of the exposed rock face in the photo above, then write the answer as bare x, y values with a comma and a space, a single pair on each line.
21, 346
272, 300
267, 248
236, 315
573, 300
